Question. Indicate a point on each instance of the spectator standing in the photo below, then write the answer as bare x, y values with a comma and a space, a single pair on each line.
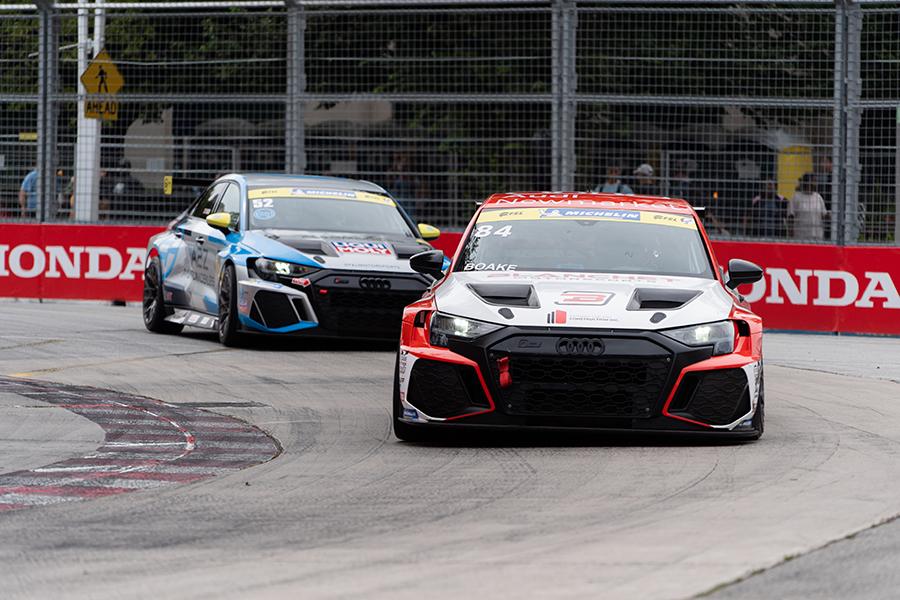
28, 195
768, 212
644, 184
613, 184
806, 210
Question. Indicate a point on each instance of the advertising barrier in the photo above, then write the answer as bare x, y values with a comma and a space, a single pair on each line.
846, 289
76, 262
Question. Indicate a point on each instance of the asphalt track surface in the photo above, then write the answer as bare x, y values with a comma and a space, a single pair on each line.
345, 510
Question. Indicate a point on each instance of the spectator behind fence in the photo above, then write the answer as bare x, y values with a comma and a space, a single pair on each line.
128, 194
613, 184
768, 212
645, 184
806, 210
28, 196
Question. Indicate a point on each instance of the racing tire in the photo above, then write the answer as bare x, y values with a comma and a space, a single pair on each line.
405, 431
228, 311
153, 307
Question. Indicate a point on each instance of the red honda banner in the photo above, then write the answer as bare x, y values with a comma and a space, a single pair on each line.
79, 262
848, 289
805, 288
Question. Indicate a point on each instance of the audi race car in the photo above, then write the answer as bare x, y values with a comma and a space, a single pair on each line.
581, 310
283, 254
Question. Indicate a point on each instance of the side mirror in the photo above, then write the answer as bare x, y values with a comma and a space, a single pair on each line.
741, 272
429, 263
428, 232
220, 221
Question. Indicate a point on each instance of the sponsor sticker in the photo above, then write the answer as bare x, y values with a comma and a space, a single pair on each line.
243, 306
302, 281
263, 214
562, 317
362, 248
562, 213
557, 317
410, 413
320, 193
593, 277
582, 213
489, 267
584, 298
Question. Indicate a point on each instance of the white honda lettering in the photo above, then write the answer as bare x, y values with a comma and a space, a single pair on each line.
94, 255
880, 286
136, 259
37, 264
851, 288
781, 278
3, 271
71, 267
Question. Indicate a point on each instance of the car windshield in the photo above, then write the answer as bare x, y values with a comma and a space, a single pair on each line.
588, 240
326, 210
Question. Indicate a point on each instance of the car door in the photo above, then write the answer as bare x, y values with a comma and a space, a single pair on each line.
195, 232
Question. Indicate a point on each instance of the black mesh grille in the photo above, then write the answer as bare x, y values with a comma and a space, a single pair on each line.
276, 309
604, 386
363, 311
436, 388
718, 396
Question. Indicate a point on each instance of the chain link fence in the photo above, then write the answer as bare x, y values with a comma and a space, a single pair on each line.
753, 109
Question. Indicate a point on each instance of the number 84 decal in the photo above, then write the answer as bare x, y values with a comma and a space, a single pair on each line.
486, 230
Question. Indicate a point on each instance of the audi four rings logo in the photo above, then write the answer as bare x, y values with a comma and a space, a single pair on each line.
579, 347
374, 283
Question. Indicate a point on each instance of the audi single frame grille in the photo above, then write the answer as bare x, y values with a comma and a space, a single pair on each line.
363, 311
577, 376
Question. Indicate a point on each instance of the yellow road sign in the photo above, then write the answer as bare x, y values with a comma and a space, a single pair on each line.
102, 76
102, 106
102, 80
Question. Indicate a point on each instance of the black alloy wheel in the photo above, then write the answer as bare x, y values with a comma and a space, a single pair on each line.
228, 313
154, 307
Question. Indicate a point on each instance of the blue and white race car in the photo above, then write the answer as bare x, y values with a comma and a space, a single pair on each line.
285, 254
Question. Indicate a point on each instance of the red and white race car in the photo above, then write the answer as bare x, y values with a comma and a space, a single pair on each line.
581, 310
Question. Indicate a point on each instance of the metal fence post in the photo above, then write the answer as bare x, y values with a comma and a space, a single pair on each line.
838, 201
48, 80
565, 83
852, 213
295, 105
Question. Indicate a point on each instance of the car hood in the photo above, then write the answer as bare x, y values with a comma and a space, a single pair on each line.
590, 300
342, 251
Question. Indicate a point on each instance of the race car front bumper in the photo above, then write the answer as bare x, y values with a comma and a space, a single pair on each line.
559, 379
329, 303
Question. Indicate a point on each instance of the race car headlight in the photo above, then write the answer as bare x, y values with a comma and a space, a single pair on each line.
718, 335
444, 327
271, 270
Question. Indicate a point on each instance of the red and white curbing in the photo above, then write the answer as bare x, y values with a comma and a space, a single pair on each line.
148, 444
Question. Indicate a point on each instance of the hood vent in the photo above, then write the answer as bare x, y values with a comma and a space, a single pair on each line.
505, 294
660, 299
309, 246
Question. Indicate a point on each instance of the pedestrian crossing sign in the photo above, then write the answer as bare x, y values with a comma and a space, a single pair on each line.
102, 80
